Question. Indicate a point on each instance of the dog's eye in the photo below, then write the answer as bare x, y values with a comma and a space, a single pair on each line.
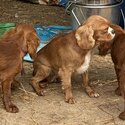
105, 31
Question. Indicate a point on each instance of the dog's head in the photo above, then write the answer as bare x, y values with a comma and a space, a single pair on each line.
30, 38
94, 30
106, 46
25, 36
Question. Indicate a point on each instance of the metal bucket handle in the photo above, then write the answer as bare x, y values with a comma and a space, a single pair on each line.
69, 4
76, 18
123, 16
68, 7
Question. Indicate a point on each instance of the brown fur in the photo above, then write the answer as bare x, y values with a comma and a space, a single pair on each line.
13, 46
65, 54
118, 57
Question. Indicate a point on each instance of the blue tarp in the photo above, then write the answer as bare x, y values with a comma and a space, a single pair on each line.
63, 2
46, 33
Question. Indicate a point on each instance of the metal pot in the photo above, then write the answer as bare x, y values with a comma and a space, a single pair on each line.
95, 2
80, 12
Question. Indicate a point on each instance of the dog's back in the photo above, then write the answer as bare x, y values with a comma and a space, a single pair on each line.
55, 53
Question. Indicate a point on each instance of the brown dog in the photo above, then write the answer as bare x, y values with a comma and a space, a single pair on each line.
118, 57
69, 53
13, 46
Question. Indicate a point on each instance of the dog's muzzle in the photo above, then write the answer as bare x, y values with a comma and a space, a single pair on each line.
111, 32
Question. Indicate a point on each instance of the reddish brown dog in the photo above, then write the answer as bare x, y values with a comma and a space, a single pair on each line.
69, 53
117, 48
13, 46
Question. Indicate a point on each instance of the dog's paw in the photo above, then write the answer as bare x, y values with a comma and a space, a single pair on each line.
70, 100
91, 93
122, 115
12, 108
118, 92
40, 92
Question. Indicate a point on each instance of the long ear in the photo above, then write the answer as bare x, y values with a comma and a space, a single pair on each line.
32, 44
84, 35
10, 33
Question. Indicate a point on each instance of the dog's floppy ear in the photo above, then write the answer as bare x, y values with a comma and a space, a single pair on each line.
84, 35
9, 34
32, 44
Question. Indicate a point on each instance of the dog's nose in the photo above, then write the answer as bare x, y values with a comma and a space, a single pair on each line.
113, 31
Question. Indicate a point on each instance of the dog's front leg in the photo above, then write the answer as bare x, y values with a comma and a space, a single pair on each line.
65, 75
117, 71
6, 88
36, 86
88, 88
122, 89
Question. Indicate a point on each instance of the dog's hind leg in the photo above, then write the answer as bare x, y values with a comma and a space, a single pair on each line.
6, 88
40, 75
122, 89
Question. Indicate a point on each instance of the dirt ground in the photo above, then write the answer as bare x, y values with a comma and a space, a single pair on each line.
51, 109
